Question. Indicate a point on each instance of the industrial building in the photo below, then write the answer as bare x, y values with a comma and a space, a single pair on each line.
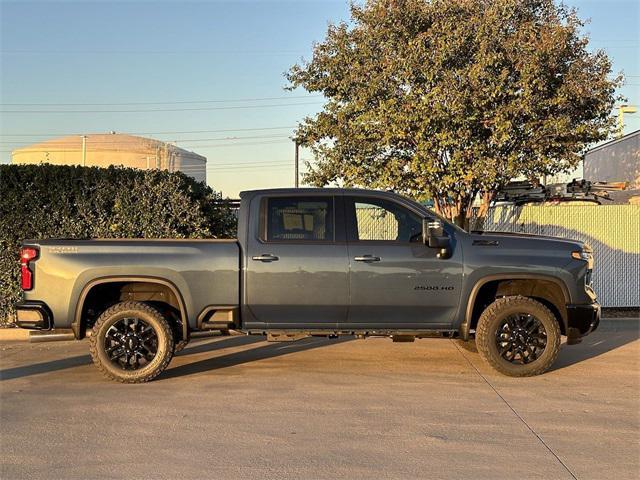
103, 150
615, 161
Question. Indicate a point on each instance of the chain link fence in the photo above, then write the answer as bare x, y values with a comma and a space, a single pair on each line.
613, 231
375, 223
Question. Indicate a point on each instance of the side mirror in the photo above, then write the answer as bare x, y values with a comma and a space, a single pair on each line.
433, 236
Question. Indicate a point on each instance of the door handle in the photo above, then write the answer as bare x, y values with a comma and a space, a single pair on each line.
367, 258
265, 257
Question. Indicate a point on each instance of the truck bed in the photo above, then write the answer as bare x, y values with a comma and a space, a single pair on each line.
205, 272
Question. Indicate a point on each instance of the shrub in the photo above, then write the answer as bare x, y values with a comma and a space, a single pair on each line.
51, 201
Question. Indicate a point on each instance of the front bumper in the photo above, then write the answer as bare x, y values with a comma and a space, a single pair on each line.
581, 321
34, 316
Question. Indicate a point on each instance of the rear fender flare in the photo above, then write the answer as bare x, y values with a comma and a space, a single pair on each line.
76, 325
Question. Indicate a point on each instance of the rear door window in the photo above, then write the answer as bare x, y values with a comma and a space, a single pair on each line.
300, 219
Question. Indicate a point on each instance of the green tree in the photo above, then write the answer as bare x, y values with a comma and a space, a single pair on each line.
453, 98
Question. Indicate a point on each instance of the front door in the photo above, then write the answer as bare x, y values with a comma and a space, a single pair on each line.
396, 281
297, 266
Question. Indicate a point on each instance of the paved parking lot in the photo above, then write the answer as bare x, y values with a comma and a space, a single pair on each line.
239, 407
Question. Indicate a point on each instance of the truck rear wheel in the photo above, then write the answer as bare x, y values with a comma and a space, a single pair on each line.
518, 336
132, 342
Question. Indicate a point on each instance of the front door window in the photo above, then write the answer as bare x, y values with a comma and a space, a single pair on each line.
381, 220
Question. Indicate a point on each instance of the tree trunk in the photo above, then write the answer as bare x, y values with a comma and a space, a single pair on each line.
462, 221
455, 212
487, 198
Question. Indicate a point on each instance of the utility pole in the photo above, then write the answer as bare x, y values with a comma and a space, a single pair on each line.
297, 162
84, 150
622, 109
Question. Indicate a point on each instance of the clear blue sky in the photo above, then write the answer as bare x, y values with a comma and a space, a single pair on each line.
120, 52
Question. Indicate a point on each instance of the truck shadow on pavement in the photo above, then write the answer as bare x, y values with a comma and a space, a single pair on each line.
262, 352
82, 360
198, 346
210, 344
610, 335
44, 367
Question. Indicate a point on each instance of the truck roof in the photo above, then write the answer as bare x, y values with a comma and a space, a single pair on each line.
295, 191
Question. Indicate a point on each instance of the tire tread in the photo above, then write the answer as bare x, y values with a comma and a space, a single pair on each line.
483, 336
131, 305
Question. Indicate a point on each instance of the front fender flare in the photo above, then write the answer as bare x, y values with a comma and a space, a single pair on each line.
465, 326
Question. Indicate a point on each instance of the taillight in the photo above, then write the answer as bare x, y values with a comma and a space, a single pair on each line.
26, 255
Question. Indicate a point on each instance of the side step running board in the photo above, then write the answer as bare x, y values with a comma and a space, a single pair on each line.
285, 337
222, 318
51, 336
216, 325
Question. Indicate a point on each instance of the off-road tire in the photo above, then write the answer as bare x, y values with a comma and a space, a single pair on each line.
490, 321
149, 315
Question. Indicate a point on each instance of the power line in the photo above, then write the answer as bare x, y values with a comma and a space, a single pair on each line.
150, 133
116, 141
220, 172
229, 138
233, 107
250, 163
237, 144
240, 167
289, 165
247, 163
158, 103
147, 52
266, 142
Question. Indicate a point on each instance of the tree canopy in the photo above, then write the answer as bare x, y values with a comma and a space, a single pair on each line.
453, 97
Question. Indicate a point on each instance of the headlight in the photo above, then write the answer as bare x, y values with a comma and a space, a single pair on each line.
582, 256
585, 255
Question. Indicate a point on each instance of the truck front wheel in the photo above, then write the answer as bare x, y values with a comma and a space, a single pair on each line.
132, 342
518, 336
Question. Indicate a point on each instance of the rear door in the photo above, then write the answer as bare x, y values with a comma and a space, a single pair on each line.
297, 265
395, 280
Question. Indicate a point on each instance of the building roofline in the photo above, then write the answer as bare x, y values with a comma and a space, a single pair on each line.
612, 142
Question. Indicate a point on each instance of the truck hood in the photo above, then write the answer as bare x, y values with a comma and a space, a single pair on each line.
512, 238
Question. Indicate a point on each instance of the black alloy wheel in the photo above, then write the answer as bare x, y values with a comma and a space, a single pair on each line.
131, 343
521, 338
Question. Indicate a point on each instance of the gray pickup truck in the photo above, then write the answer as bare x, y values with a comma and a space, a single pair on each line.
314, 262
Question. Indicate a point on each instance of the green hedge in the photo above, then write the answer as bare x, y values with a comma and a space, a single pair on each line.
48, 201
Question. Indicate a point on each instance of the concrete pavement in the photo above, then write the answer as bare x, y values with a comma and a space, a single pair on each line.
239, 407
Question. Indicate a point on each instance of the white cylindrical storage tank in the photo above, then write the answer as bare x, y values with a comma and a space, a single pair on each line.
104, 150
